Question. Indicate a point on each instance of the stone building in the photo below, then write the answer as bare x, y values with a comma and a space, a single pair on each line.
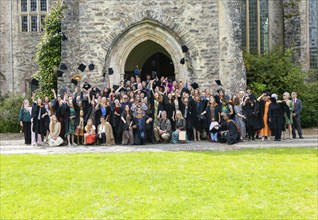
117, 35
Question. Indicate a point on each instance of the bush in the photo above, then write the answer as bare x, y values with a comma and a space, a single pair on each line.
9, 114
275, 72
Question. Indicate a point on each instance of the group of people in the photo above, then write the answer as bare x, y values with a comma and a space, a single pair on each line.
158, 110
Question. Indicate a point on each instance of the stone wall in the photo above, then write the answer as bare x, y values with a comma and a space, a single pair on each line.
17, 71
93, 28
276, 24
232, 71
296, 30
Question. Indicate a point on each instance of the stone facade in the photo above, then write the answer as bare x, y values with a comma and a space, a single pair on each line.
104, 32
17, 51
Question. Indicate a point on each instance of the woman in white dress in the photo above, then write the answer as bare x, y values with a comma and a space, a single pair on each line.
55, 128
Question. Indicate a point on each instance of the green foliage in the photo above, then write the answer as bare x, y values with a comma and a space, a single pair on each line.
48, 55
275, 72
9, 114
244, 184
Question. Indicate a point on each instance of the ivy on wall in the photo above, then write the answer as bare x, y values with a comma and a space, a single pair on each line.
48, 55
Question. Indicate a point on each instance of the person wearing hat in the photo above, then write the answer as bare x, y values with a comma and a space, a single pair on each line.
38, 115
265, 101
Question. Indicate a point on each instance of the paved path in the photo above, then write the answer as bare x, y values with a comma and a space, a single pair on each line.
17, 147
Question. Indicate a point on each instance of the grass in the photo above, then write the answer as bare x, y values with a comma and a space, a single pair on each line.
244, 184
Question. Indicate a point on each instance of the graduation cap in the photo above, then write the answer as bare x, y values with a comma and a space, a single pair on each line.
63, 66
74, 81
195, 85
184, 48
182, 61
96, 90
34, 82
81, 67
218, 82
110, 71
59, 73
64, 38
86, 86
171, 79
115, 87
91, 66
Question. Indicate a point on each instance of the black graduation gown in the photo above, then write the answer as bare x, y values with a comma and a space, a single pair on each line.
197, 109
38, 125
233, 135
169, 108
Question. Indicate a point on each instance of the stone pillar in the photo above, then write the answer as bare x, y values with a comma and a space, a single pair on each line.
232, 71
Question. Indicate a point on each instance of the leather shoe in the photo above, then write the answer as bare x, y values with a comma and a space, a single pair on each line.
301, 137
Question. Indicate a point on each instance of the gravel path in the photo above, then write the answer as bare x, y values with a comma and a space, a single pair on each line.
8, 146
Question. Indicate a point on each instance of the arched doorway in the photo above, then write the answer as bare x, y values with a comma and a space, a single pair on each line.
146, 32
150, 58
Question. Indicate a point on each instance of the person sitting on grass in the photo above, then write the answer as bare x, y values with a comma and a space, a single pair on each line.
90, 132
163, 129
54, 138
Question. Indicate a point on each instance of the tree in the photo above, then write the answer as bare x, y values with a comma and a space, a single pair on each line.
48, 55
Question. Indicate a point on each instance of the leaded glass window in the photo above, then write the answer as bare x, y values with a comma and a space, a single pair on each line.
33, 5
24, 23
254, 17
32, 14
43, 5
34, 23
24, 5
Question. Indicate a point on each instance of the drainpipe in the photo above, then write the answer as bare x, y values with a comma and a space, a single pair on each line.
11, 51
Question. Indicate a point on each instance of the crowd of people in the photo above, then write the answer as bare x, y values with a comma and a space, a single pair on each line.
158, 110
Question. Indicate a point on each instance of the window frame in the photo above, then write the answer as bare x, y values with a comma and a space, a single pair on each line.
38, 13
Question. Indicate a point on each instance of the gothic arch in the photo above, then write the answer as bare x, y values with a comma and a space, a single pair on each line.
146, 29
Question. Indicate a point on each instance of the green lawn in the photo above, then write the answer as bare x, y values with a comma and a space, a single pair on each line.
244, 184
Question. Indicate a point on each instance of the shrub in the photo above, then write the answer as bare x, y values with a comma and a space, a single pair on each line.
275, 72
9, 114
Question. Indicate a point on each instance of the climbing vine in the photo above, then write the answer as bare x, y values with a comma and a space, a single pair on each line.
48, 55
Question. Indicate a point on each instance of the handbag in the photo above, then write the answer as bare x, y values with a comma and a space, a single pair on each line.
182, 136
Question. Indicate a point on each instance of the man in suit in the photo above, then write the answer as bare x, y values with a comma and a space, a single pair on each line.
296, 115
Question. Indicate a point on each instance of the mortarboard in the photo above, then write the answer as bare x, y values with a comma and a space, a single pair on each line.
59, 73
34, 82
63, 66
116, 87
110, 71
81, 67
87, 86
64, 38
182, 61
184, 48
195, 85
91, 66
218, 82
96, 90
74, 81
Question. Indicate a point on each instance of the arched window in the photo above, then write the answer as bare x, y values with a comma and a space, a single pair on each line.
313, 34
32, 14
255, 25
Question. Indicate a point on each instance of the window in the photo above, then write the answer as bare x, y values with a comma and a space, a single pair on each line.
34, 23
24, 22
254, 17
32, 14
313, 34
43, 5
